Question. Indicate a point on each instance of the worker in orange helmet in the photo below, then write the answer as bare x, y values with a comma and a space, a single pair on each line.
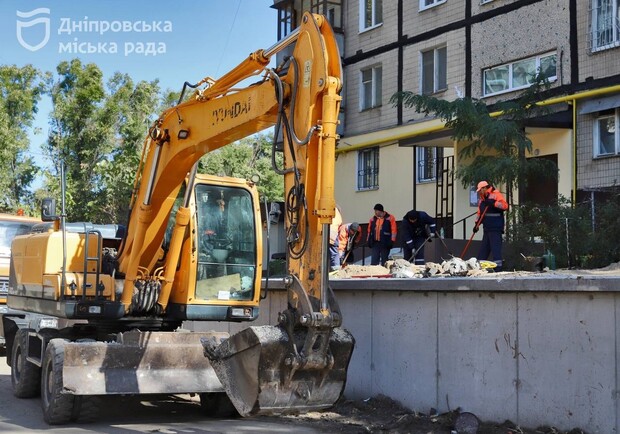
491, 208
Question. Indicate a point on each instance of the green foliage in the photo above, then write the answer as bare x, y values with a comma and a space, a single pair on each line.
495, 143
247, 157
20, 92
98, 130
572, 233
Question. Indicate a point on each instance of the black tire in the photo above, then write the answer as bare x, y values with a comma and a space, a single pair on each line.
25, 376
217, 405
85, 409
58, 407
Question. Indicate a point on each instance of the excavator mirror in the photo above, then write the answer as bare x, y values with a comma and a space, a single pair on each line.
48, 209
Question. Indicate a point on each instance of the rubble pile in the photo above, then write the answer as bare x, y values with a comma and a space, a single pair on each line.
403, 269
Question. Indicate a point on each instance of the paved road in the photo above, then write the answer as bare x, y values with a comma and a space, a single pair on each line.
178, 414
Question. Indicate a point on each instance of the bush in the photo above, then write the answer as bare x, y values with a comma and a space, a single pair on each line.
573, 234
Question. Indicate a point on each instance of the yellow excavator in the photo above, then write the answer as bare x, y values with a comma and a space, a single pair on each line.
192, 251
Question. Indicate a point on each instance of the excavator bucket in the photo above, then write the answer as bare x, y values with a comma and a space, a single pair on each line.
257, 370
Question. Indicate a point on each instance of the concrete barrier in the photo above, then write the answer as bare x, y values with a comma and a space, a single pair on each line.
540, 350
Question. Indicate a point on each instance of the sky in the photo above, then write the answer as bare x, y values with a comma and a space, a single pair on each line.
171, 41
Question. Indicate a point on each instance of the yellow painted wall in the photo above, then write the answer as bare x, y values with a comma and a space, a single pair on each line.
395, 190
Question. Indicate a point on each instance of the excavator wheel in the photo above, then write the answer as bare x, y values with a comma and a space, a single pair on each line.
217, 405
85, 409
25, 376
58, 407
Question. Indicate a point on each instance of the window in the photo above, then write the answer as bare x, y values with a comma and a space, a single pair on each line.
371, 14
429, 163
370, 90
606, 136
605, 24
368, 169
434, 70
332, 9
286, 20
226, 243
519, 74
426, 4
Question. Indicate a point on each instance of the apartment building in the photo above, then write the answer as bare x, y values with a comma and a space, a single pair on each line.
484, 49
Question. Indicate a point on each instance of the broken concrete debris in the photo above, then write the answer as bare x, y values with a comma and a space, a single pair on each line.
403, 269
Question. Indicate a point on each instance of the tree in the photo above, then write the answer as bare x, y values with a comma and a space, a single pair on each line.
20, 92
495, 143
249, 156
98, 131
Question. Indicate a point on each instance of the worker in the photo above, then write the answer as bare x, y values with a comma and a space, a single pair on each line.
334, 256
491, 208
381, 235
416, 228
348, 236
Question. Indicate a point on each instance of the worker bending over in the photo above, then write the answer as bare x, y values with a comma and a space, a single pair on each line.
416, 228
348, 236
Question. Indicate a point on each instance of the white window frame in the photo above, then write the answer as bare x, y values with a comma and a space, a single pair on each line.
482, 2
435, 51
376, 88
510, 65
376, 19
371, 155
615, 116
432, 4
611, 25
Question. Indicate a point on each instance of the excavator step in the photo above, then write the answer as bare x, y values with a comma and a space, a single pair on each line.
254, 366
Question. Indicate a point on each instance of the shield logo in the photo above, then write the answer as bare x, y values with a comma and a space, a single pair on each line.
34, 19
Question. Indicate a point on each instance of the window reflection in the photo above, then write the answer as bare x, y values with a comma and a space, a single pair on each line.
226, 243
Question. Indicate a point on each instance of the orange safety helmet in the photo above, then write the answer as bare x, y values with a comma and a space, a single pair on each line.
481, 185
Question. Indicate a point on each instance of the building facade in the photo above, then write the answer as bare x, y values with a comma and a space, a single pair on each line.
484, 49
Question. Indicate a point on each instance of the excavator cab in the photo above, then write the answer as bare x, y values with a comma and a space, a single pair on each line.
222, 280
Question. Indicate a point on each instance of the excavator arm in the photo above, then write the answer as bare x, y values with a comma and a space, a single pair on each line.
300, 364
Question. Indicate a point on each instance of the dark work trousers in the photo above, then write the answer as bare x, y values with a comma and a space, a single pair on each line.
491, 243
408, 251
334, 257
380, 254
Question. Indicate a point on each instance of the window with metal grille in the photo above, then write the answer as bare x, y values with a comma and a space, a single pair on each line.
604, 24
368, 169
429, 163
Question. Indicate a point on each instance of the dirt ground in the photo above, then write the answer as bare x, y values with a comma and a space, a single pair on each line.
382, 415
